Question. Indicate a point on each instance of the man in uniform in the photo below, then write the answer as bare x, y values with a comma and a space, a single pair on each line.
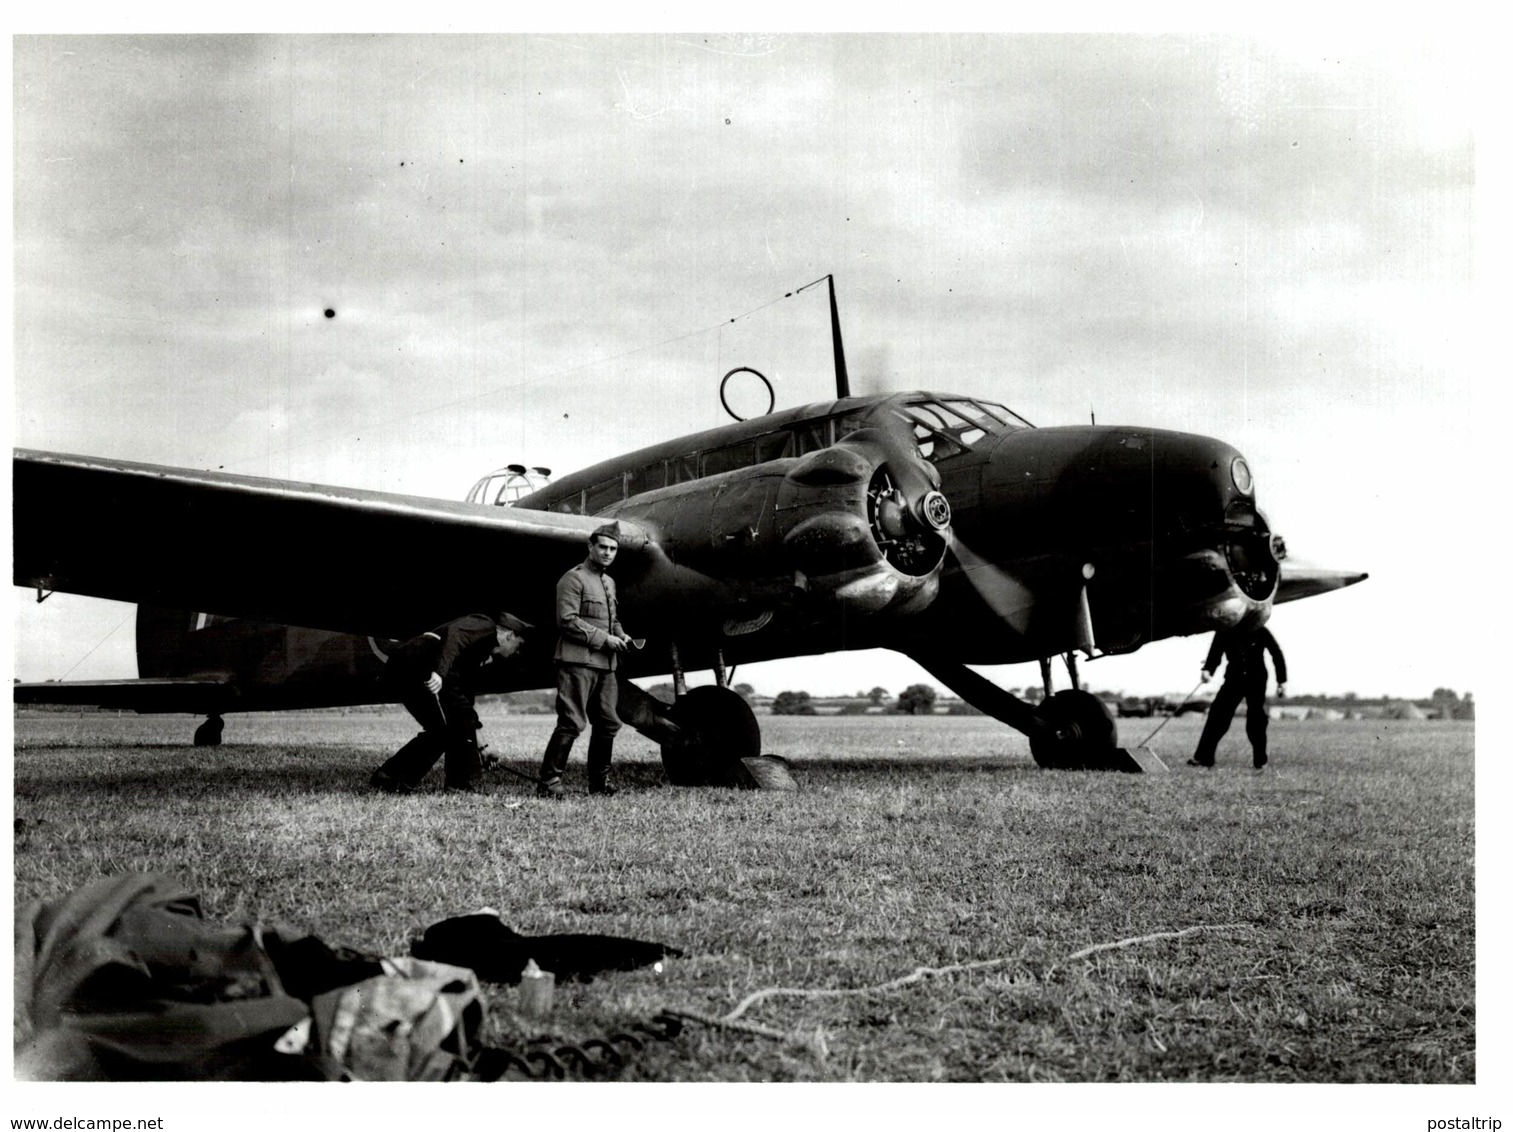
1244, 679
432, 676
590, 640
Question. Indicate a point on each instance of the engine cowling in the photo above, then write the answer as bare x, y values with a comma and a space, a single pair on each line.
864, 523
861, 522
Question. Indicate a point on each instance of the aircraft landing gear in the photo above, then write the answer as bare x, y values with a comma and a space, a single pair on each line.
1076, 729
1078, 734
704, 734
716, 730
1068, 730
208, 734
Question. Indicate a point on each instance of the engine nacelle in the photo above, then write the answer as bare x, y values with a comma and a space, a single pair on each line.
853, 531
1231, 586
838, 524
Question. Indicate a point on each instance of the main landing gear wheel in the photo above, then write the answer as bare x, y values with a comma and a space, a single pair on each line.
208, 734
1083, 734
717, 730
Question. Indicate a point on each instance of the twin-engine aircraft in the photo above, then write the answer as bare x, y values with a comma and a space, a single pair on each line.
942, 526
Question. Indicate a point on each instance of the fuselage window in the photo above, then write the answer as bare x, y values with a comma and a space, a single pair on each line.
812, 436
603, 495
681, 469
774, 447
843, 426
647, 479
728, 459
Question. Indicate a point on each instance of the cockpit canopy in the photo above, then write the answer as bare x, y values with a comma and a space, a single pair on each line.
504, 486
943, 425
946, 426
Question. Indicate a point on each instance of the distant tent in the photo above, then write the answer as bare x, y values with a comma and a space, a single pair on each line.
1403, 709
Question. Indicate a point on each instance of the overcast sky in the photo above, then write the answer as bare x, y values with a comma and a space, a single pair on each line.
534, 246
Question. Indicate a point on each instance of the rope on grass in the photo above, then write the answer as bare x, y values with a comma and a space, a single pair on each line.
731, 1019
1134, 939
914, 976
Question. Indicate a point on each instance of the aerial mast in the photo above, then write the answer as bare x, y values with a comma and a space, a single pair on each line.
842, 379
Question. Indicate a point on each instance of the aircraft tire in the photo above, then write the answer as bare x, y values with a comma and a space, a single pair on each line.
719, 730
1088, 736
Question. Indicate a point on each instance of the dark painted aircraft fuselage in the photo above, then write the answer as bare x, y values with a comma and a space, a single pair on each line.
762, 549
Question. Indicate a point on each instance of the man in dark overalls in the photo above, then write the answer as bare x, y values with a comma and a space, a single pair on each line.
590, 638
1244, 679
432, 676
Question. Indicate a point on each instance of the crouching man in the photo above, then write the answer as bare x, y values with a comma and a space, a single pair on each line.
589, 642
432, 675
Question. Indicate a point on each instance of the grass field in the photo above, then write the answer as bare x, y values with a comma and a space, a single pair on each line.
1333, 895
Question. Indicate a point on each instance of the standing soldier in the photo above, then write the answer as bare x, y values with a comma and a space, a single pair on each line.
589, 642
1244, 679
432, 676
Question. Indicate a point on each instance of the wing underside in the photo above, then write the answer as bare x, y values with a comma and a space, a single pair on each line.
352, 561
195, 695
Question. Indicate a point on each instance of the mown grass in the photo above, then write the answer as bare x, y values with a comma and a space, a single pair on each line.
1335, 892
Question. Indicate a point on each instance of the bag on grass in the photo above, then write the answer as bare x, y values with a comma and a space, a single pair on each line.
128, 982
419, 1021
124, 980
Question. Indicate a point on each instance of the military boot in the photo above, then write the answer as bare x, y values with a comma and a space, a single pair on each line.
600, 751
464, 767
404, 770
554, 764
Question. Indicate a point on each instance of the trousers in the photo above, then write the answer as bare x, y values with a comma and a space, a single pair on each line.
586, 698
1250, 687
450, 727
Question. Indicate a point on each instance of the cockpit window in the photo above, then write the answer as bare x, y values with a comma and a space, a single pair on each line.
972, 411
948, 428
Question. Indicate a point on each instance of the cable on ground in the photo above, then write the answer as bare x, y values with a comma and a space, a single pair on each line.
732, 1019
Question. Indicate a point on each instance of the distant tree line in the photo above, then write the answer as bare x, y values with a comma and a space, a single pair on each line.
916, 699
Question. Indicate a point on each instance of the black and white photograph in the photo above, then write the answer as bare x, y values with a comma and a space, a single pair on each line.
808, 557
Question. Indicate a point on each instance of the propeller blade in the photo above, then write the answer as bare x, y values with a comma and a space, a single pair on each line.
915, 476
1004, 594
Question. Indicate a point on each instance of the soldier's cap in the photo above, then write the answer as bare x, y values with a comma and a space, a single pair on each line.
608, 530
510, 621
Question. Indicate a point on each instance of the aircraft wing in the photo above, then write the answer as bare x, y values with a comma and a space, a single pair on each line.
1300, 580
352, 561
195, 695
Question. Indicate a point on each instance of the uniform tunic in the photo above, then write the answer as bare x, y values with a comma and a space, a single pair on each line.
587, 691
587, 616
